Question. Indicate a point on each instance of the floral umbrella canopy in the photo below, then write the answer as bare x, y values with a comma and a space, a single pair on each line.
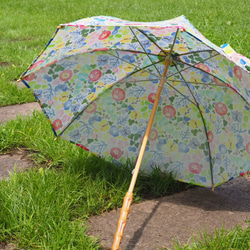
97, 80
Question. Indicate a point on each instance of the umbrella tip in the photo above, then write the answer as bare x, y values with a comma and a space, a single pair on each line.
56, 138
212, 187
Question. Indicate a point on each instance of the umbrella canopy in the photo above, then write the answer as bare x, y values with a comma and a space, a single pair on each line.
97, 80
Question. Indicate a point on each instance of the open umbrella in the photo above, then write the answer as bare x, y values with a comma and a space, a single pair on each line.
158, 93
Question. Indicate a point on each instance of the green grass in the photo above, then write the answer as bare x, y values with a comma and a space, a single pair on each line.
223, 239
46, 207
26, 26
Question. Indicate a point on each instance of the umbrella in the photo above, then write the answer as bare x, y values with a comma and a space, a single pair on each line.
158, 93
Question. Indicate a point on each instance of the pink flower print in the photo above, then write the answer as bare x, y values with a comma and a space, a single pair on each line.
65, 119
60, 113
30, 77
151, 97
91, 108
118, 94
36, 64
57, 81
50, 102
104, 35
169, 111
237, 72
171, 93
94, 136
116, 152
210, 136
153, 134
227, 129
248, 148
120, 144
194, 168
57, 124
65, 75
203, 67
95, 75
218, 81
100, 49
221, 108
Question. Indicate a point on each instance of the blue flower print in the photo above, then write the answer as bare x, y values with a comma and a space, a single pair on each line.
132, 149
230, 72
75, 135
75, 107
223, 149
67, 105
125, 131
186, 59
93, 119
102, 60
194, 143
114, 131
183, 147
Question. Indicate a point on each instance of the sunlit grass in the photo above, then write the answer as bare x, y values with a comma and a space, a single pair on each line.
47, 205
237, 238
26, 26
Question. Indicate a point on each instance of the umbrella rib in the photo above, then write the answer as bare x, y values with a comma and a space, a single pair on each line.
210, 84
198, 51
194, 65
144, 50
139, 69
143, 69
80, 112
151, 40
134, 51
204, 125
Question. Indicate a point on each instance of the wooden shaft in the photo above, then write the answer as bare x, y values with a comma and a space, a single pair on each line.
122, 220
150, 123
128, 198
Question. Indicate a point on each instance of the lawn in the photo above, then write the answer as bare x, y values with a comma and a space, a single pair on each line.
47, 206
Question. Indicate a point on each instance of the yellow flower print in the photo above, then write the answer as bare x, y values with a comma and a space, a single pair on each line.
182, 110
129, 68
126, 39
144, 74
104, 125
64, 96
172, 146
59, 46
91, 97
231, 144
135, 115
181, 47
195, 124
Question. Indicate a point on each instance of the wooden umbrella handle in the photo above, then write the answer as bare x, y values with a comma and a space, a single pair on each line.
128, 198
122, 220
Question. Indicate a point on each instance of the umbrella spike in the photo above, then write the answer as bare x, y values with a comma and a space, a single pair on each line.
212, 187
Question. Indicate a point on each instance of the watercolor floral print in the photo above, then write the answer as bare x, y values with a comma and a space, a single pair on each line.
97, 80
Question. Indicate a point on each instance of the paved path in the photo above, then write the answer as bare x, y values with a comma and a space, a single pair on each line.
154, 223
10, 112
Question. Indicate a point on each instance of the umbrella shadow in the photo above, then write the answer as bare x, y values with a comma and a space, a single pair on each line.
139, 232
230, 196
226, 201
